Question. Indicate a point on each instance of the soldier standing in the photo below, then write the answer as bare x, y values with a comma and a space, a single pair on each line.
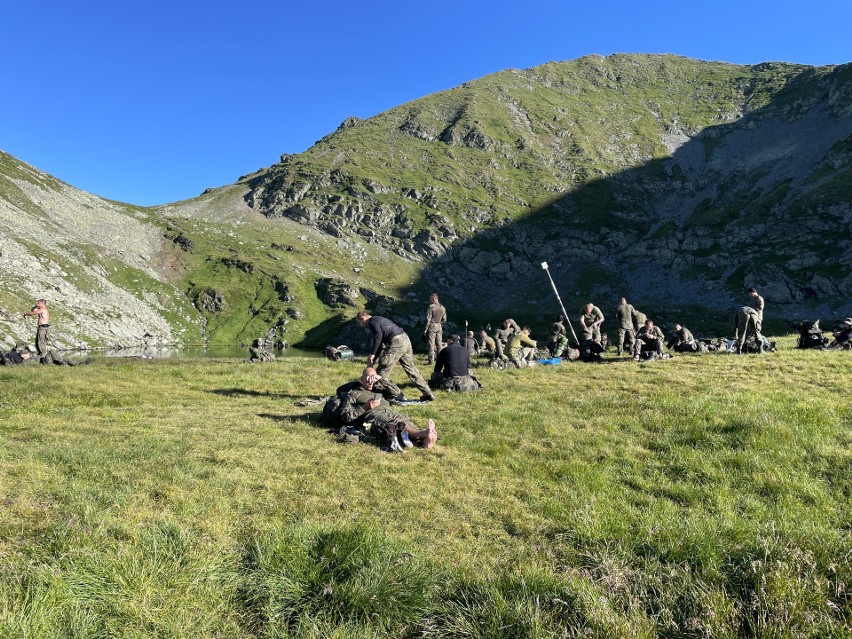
391, 346
624, 316
436, 315
756, 302
639, 319
591, 319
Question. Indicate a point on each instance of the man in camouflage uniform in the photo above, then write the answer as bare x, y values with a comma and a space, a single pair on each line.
364, 404
471, 345
747, 320
639, 319
502, 335
757, 303
591, 319
682, 341
558, 337
487, 344
436, 316
624, 319
391, 346
521, 348
452, 369
648, 340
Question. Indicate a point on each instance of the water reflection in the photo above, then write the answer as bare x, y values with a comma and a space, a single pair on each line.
198, 351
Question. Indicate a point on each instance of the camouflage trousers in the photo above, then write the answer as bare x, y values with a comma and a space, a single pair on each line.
622, 332
686, 347
42, 338
647, 346
558, 345
463, 384
592, 334
521, 357
434, 335
499, 348
399, 351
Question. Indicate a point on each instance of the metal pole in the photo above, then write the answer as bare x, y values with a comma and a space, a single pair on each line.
561, 305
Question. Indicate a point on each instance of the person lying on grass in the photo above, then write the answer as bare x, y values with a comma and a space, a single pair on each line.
364, 405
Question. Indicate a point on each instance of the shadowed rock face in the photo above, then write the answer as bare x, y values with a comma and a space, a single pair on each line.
675, 182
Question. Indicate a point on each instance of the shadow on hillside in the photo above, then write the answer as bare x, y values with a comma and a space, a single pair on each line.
336, 331
681, 237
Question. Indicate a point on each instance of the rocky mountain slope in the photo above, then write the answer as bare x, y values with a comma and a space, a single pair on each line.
94, 261
673, 181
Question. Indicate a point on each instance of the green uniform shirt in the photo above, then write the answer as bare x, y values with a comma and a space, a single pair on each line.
624, 314
517, 340
646, 333
587, 319
436, 314
757, 304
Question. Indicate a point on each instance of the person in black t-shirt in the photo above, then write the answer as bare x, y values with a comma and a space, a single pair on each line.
391, 346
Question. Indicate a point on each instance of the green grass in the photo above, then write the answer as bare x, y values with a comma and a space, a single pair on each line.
703, 496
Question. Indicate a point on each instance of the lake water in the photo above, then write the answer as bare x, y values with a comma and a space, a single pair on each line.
217, 351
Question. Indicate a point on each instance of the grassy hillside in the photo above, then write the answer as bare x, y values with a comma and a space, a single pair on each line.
701, 496
678, 183
674, 181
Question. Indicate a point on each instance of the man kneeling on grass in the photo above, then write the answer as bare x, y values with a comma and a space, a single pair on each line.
365, 405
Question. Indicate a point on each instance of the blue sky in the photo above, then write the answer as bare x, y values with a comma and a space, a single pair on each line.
155, 101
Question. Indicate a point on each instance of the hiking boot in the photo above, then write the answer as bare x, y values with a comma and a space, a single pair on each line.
405, 439
427, 397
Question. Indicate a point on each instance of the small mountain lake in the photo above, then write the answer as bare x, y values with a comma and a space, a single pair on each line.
197, 351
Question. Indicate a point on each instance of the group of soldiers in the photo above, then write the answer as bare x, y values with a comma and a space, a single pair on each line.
367, 404
636, 335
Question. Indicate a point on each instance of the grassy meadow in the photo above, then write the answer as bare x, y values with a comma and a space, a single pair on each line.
704, 496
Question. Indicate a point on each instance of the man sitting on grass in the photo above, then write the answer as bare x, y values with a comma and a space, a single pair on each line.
452, 369
521, 349
682, 341
649, 342
842, 336
365, 405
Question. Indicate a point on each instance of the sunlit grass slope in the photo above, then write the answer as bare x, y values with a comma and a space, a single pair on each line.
705, 496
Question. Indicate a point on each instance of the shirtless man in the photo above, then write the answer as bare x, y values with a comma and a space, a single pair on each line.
43, 325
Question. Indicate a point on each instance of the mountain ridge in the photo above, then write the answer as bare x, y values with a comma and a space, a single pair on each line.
673, 181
